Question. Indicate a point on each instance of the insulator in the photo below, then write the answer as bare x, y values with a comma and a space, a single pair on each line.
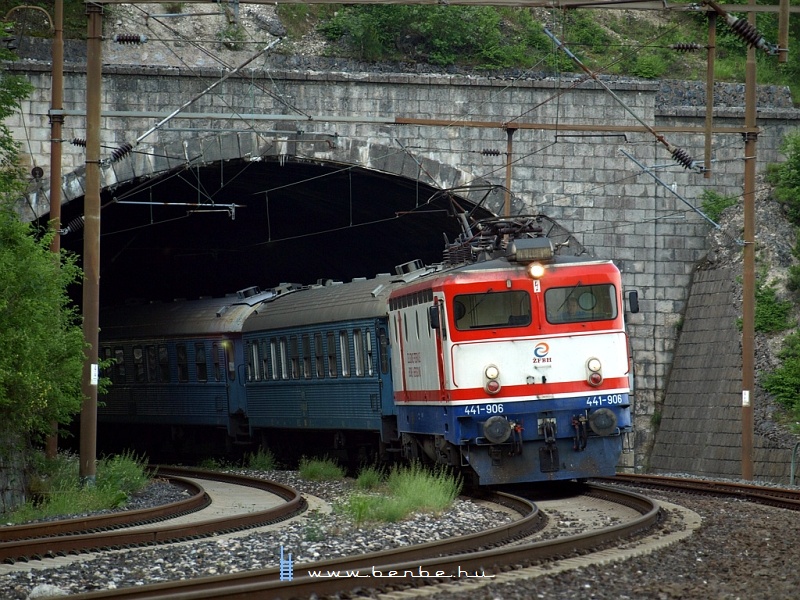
750, 34
74, 225
130, 38
490, 152
682, 158
119, 153
78, 142
686, 47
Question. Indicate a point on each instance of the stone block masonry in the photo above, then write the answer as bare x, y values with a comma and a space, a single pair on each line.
578, 177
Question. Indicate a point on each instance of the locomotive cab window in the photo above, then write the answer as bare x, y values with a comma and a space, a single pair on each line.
581, 303
492, 309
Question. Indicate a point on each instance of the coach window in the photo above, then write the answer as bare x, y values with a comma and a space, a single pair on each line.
105, 354
264, 348
215, 357
183, 362
358, 352
581, 303
344, 348
119, 365
319, 356
138, 364
250, 368
152, 364
163, 363
200, 364
294, 352
306, 356
368, 349
332, 355
273, 357
283, 358
495, 309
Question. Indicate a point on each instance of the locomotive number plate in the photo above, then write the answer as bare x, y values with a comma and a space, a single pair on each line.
608, 400
483, 409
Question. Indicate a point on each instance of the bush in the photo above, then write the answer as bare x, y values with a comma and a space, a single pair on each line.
407, 490
56, 489
784, 382
320, 470
785, 176
262, 460
713, 204
771, 314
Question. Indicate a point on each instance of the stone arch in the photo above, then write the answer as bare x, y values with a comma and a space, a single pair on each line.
157, 160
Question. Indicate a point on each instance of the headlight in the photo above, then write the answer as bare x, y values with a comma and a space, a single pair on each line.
536, 270
492, 385
594, 376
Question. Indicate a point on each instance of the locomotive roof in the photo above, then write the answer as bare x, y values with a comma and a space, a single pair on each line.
330, 303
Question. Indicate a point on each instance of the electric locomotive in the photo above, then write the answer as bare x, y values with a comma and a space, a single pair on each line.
514, 367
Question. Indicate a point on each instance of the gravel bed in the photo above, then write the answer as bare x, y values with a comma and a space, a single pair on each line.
741, 551
319, 536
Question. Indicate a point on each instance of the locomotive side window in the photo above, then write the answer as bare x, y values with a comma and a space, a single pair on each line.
344, 348
358, 350
331, 355
163, 363
138, 364
199, 361
319, 360
581, 303
492, 309
183, 362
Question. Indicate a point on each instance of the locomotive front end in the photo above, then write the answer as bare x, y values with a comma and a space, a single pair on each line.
532, 366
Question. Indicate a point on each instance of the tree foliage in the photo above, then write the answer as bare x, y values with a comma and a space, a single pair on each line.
785, 176
42, 358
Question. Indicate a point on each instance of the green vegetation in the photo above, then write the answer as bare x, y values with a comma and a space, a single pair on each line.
784, 382
613, 42
261, 460
56, 489
713, 204
315, 469
369, 478
785, 176
40, 370
406, 490
771, 313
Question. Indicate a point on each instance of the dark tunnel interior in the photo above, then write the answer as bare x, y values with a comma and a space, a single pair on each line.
292, 222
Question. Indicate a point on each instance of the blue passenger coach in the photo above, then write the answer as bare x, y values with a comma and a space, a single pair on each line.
318, 362
178, 365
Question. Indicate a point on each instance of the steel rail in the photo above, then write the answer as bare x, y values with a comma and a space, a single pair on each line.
413, 566
197, 500
779, 497
49, 547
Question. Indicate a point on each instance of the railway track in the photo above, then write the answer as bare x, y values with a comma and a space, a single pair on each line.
477, 556
778, 497
120, 530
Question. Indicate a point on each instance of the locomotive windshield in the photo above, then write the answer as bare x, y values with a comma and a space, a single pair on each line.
492, 309
581, 303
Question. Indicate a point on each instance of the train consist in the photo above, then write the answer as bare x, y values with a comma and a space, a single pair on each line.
506, 361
